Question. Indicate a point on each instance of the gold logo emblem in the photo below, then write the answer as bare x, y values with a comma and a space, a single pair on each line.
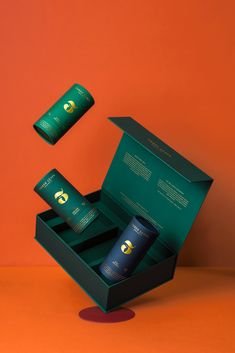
70, 106
61, 197
127, 247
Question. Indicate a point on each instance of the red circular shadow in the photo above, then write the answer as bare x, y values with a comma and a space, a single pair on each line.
95, 314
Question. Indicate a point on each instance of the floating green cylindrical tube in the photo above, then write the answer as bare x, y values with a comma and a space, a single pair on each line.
66, 201
64, 114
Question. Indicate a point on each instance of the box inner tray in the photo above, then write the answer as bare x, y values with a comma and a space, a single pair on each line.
94, 243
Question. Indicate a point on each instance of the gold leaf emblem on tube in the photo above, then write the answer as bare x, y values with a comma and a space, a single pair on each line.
127, 247
70, 106
61, 197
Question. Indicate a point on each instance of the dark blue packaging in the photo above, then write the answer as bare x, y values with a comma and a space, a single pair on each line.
129, 249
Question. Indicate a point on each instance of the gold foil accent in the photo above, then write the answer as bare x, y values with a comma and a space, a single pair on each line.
127, 247
61, 197
70, 106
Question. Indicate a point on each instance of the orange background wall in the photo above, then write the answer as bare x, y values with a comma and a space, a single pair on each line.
169, 64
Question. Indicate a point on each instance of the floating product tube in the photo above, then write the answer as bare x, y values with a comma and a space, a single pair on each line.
64, 114
66, 201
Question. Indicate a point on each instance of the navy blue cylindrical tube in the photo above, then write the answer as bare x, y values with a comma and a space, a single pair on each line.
129, 249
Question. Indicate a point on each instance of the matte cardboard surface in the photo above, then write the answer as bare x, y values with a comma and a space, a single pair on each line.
133, 185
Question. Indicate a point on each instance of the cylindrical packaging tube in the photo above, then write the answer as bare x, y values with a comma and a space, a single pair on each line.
66, 201
129, 249
64, 114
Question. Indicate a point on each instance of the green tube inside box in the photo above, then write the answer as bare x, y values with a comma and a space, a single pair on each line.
148, 178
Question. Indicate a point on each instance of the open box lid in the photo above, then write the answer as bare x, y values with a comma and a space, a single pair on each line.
149, 178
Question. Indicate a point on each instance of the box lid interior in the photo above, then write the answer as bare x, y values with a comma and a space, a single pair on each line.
149, 178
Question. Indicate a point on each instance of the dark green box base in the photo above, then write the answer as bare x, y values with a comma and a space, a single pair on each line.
80, 255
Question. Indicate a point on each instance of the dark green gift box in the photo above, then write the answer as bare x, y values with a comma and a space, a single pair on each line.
148, 178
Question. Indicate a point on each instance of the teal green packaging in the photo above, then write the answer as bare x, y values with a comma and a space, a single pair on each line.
64, 114
66, 201
147, 178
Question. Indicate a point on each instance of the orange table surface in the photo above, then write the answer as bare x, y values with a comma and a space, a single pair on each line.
193, 313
